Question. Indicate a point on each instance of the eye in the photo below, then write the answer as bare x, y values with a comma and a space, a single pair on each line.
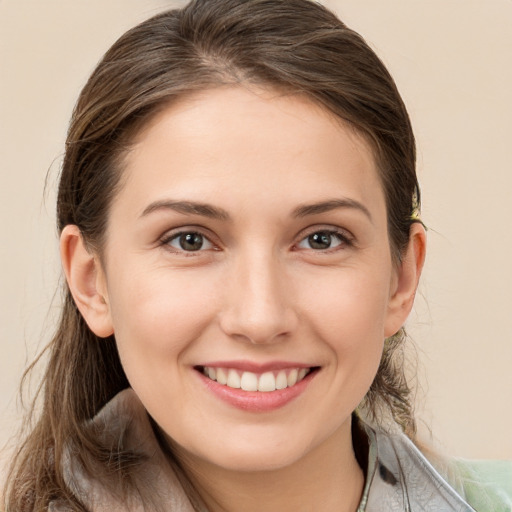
323, 240
189, 241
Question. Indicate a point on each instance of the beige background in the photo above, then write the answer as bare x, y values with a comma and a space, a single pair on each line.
452, 62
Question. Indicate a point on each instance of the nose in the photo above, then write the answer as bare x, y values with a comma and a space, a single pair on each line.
258, 301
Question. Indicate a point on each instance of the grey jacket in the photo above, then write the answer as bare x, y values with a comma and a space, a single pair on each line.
399, 477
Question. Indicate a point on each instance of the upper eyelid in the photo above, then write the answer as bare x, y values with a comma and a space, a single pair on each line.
174, 232
343, 232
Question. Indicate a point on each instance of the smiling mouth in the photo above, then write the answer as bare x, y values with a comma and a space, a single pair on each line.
249, 381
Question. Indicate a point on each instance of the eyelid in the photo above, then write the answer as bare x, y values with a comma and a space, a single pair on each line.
206, 243
346, 237
171, 234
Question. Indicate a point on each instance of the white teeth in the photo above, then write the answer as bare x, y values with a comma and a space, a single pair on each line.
281, 380
233, 379
267, 382
222, 376
292, 377
249, 381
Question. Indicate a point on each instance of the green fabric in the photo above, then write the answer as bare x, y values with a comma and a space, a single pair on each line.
486, 484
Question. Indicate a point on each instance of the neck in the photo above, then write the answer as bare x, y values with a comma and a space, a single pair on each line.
327, 478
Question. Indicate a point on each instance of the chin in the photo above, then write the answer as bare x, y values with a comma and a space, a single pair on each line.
257, 460
253, 453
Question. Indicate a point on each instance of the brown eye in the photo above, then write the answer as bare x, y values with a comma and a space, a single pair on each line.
321, 241
189, 242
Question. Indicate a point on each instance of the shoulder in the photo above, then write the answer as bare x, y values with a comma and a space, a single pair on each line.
486, 484
401, 477
136, 475
404, 479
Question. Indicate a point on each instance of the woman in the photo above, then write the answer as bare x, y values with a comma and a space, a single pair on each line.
238, 211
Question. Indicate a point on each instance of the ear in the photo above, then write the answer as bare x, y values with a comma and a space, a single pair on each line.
86, 281
406, 280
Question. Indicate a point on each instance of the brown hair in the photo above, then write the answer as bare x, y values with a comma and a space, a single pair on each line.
293, 45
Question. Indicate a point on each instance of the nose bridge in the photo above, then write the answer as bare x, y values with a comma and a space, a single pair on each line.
258, 306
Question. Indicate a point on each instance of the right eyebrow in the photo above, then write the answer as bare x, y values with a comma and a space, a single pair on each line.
187, 208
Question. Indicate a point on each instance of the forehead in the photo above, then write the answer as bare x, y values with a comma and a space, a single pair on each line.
240, 139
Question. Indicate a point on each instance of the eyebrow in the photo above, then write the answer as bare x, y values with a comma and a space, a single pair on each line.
213, 212
188, 208
329, 205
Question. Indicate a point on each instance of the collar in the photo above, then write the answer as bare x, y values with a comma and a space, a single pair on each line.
398, 478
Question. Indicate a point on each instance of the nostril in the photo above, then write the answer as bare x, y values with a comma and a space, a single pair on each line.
259, 328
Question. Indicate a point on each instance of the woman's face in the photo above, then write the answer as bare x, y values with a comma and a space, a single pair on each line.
249, 243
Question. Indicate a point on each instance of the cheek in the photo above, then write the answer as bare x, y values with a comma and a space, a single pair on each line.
348, 311
349, 306
156, 316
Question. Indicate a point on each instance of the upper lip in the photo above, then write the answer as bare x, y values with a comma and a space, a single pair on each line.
250, 366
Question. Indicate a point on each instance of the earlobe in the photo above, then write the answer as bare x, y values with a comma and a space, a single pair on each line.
86, 281
407, 279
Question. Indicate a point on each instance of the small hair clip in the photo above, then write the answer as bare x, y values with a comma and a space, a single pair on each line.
416, 212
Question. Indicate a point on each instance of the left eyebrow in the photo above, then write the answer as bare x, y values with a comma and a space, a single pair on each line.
329, 205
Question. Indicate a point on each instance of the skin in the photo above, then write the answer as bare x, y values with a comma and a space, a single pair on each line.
257, 291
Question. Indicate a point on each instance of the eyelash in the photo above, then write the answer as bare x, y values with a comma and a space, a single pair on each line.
345, 240
166, 242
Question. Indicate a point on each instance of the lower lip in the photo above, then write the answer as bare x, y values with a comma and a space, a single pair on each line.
257, 401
